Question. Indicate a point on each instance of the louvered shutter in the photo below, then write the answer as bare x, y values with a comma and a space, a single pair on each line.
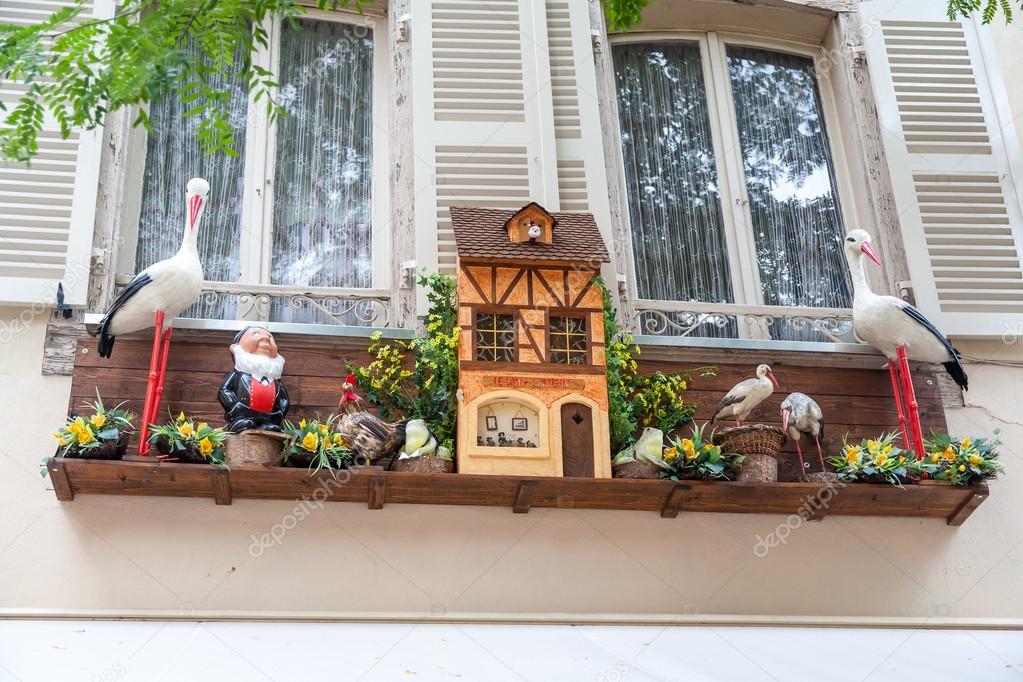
955, 163
47, 208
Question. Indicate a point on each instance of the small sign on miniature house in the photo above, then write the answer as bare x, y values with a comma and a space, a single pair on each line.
531, 354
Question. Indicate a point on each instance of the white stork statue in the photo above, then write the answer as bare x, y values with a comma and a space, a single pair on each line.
801, 415
744, 397
900, 332
156, 296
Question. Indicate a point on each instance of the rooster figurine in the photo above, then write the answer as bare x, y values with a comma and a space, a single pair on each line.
366, 434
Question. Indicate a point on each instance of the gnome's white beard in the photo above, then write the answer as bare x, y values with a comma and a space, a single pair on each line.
259, 366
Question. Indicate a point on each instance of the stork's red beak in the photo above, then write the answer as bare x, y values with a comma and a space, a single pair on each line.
773, 380
194, 205
785, 419
866, 248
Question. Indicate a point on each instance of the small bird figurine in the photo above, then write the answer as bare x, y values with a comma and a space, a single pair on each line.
418, 440
744, 397
650, 447
155, 297
801, 415
366, 434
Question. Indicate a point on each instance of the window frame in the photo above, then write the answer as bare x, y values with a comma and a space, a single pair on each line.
587, 354
495, 311
736, 215
256, 243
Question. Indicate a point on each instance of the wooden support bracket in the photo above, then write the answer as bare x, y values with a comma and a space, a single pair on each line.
966, 508
61, 483
377, 492
221, 479
673, 503
524, 497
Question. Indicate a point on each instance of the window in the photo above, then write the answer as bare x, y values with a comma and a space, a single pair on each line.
294, 212
730, 178
495, 337
569, 342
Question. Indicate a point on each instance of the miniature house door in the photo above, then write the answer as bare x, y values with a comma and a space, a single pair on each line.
577, 440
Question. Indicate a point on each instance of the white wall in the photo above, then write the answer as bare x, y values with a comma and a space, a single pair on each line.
122, 555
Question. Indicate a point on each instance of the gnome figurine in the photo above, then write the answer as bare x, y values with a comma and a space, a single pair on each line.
253, 396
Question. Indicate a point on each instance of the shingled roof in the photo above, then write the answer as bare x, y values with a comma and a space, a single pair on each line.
481, 233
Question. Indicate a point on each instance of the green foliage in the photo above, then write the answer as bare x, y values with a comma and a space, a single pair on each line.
699, 458
988, 9
622, 15
81, 434
77, 69
314, 440
959, 461
873, 461
427, 390
658, 400
184, 435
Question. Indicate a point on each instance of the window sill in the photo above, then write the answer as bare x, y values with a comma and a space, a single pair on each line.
376, 487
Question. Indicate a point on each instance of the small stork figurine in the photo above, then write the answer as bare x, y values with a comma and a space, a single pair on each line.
801, 415
156, 296
900, 332
746, 395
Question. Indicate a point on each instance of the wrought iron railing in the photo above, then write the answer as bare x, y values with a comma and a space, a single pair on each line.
735, 321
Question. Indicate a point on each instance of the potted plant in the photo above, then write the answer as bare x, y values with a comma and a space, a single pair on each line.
103, 434
873, 460
699, 458
953, 461
185, 441
312, 444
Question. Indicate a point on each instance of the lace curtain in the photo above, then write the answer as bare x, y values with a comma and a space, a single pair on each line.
323, 178
790, 179
173, 156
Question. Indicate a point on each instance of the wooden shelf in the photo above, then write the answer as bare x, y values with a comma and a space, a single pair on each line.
376, 488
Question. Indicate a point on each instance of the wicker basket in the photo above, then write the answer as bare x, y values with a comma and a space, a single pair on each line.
425, 464
255, 447
636, 470
760, 444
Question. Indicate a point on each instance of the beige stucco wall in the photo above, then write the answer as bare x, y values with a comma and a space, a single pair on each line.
120, 555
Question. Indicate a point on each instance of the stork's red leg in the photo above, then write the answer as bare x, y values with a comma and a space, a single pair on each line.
820, 453
154, 360
164, 353
802, 465
897, 392
916, 431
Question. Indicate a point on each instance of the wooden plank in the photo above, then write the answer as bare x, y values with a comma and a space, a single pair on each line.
58, 475
521, 493
524, 497
377, 492
221, 480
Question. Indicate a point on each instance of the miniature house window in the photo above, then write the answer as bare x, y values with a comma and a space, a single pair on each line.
569, 345
508, 424
495, 337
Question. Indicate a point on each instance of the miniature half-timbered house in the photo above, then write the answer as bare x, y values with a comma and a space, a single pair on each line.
531, 363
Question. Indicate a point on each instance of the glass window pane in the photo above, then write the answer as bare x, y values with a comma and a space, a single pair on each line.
173, 156
323, 218
671, 177
790, 179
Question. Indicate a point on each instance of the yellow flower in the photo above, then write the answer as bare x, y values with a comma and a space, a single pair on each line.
338, 440
85, 437
962, 467
901, 459
311, 442
935, 456
98, 420
181, 416
670, 454
888, 449
689, 449
872, 446
77, 426
186, 430
965, 444
976, 459
323, 429
202, 426
708, 447
881, 459
852, 454
950, 453
61, 440
206, 446
302, 424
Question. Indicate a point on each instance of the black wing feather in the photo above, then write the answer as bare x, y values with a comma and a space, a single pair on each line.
106, 341
954, 367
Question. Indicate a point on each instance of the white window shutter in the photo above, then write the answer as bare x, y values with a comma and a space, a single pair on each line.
482, 114
48, 207
955, 163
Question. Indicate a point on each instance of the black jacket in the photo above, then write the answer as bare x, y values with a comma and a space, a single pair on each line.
235, 395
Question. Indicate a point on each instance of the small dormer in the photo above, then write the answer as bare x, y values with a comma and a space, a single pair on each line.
531, 223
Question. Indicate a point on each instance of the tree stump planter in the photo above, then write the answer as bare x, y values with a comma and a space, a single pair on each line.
822, 477
760, 444
108, 450
636, 470
255, 447
424, 464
